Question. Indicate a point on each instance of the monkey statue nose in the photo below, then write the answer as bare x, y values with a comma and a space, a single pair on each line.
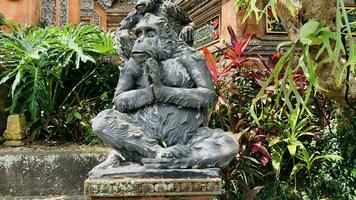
139, 39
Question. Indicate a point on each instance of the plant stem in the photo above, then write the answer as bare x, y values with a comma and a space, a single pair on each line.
295, 177
75, 87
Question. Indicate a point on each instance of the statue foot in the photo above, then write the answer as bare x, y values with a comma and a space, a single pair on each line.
176, 151
166, 163
112, 161
176, 156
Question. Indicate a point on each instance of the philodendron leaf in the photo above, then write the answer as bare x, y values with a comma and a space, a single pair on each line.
16, 82
308, 31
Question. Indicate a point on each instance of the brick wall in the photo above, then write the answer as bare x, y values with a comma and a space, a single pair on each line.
26, 12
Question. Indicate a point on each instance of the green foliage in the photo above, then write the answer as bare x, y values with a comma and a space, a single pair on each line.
251, 7
46, 69
291, 131
313, 35
282, 135
336, 179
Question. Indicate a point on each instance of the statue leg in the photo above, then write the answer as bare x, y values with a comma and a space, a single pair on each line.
205, 149
212, 148
121, 132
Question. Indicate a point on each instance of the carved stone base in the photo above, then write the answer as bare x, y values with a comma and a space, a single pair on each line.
155, 184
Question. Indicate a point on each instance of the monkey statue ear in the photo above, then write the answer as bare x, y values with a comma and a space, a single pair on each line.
167, 27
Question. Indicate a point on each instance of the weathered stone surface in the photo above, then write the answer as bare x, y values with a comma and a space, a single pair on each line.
133, 181
14, 143
42, 172
161, 102
139, 171
15, 128
154, 188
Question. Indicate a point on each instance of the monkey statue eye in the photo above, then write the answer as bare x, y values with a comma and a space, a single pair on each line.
151, 33
138, 33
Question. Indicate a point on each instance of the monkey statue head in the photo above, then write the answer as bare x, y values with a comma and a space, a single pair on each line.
155, 39
145, 6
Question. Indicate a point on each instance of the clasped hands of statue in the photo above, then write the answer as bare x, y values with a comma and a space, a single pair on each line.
151, 68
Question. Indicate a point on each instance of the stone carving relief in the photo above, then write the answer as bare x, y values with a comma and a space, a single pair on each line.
106, 4
145, 188
87, 10
48, 12
63, 12
87, 4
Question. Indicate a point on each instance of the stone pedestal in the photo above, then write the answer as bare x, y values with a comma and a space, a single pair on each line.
15, 130
134, 182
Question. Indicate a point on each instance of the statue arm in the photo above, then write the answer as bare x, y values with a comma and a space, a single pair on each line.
203, 96
187, 31
127, 98
130, 21
179, 14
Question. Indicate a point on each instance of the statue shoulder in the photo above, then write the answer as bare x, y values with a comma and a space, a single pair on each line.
192, 54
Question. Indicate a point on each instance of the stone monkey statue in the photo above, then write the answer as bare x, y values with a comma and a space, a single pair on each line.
162, 97
179, 19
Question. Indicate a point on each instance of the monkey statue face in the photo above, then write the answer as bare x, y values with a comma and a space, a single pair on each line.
155, 39
145, 6
142, 49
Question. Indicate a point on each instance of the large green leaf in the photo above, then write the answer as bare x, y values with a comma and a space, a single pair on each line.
308, 31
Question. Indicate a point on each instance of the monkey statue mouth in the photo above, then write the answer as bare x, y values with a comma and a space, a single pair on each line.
140, 56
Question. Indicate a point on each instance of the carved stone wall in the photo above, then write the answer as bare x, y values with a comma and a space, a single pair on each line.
63, 12
105, 13
48, 12
107, 4
88, 13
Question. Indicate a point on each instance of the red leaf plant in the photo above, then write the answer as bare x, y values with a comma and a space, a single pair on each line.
233, 57
235, 62
258, 147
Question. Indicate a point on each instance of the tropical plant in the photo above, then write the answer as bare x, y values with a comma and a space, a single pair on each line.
40, 64
237, 77
320, 47
232, 79
278, 135
316, 59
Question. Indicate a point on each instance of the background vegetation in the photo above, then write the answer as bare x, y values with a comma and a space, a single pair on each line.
295, 145
58, 77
